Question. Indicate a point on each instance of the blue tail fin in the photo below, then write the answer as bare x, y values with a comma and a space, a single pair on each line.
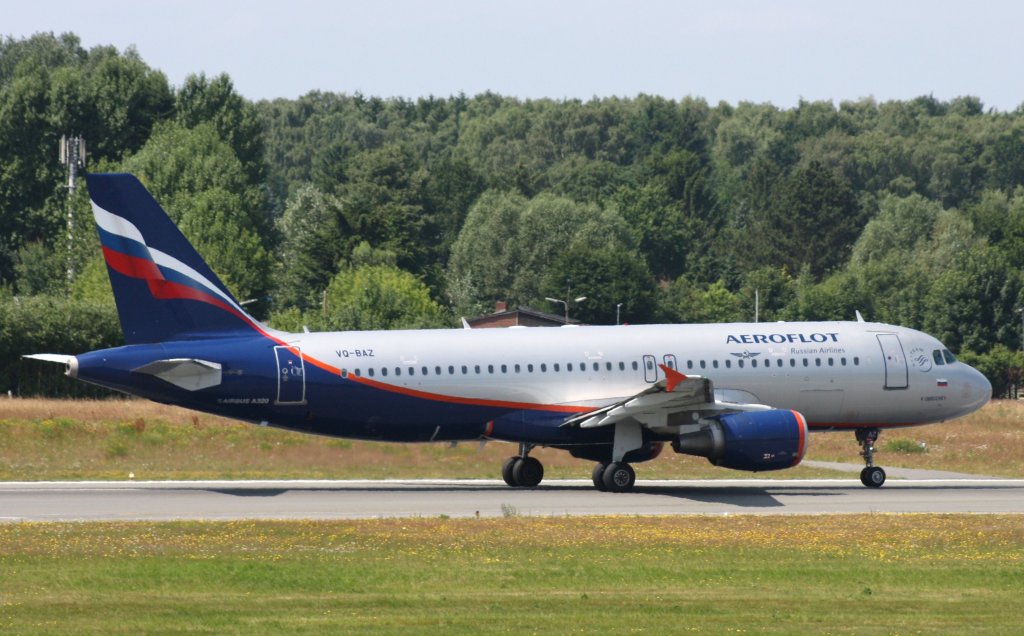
163, 288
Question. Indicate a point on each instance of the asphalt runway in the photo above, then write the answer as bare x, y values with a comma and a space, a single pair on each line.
359, 499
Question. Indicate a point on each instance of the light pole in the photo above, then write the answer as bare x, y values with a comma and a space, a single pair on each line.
618, 307
565, 304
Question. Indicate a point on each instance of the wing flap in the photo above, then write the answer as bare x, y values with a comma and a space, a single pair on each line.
674, 394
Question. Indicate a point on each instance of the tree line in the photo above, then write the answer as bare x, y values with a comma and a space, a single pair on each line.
354, 212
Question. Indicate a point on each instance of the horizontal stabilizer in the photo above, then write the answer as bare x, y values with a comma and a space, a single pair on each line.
187, 373
59, 358
70, 362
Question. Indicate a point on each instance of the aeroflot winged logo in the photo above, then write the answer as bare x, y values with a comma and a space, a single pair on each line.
781, 338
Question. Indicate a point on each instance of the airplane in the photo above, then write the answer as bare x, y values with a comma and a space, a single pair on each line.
743, 395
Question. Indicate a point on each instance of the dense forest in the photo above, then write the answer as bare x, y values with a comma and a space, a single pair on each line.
356, 212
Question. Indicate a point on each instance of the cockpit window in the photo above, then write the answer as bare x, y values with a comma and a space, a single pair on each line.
950, 358
937, 355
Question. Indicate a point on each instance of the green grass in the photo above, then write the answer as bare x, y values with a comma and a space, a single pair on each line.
864, 574
96, 439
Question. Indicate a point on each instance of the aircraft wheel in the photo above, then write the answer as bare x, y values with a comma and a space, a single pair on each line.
598, 476
872, 477
528, 472
619, 477
508, 471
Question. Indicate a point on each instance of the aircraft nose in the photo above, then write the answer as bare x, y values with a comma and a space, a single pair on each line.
980, 389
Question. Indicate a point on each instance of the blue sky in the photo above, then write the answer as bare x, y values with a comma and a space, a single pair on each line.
764, 51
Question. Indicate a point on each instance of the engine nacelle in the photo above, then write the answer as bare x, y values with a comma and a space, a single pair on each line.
749, 440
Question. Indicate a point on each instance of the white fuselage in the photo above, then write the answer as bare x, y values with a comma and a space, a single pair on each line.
837, 374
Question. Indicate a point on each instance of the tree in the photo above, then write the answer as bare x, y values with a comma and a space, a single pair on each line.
508, 245
201, 100
813, 219
383, 205
313, 241
201, 184
379, 297
687, 302
607, 278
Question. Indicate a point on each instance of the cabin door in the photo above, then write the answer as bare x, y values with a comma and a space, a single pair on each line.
291, 376
895, 361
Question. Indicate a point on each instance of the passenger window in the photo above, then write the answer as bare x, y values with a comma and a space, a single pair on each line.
555, 367
476, 368
831, 362
948, 355
689, 364
856, 361
384, 371
358, 374
608, 366
543, 367
817, 362
398, 370
806, 363
490, 368
714, 363
703, 365
622, 366
529, 368
412, 371
370, 371
504, 368
753, 363
728, 364
597, 367
465, 370
568, 366
739, 363
780, 363
451, 370
516, 368
842, 361
344, 373
635, 365
650, 365
437, 370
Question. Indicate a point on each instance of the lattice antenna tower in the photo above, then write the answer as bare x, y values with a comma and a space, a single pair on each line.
72, 156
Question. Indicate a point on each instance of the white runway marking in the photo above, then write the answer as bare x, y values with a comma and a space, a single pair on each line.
355, 499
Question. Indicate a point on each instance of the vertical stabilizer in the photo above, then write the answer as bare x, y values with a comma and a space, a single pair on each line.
163, 288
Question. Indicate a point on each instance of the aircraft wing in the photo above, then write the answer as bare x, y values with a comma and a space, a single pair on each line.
675, 399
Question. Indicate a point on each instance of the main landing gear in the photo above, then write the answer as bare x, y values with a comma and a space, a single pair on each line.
523, 471
613, 477
872, 476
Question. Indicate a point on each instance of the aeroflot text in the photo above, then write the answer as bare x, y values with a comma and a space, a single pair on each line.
779, 338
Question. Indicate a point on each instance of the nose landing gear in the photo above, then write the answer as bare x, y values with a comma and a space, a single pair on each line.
872, 476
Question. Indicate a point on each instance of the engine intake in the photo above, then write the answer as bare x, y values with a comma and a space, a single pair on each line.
751, 440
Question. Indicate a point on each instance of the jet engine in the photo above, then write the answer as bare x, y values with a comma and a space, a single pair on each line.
749, 440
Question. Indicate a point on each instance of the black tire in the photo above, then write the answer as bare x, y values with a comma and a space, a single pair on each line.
528, 472
872, 477
508, 471
598, 476
619, 477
